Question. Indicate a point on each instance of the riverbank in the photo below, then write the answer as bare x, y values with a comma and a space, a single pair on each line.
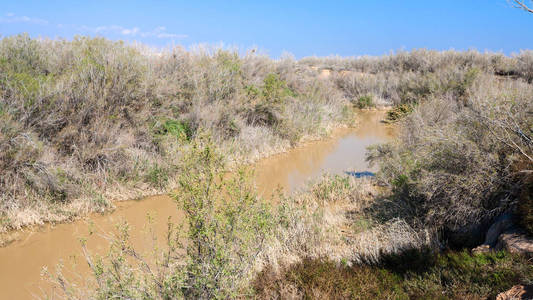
342, 151
142, 192
89, 121
462, 161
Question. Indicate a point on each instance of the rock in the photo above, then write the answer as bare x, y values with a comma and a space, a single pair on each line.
517, 292
481, 249
502, 223
515, 241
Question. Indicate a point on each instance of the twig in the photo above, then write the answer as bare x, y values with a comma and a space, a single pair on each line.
521, 5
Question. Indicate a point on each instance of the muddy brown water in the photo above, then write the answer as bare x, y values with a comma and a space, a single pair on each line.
21, 262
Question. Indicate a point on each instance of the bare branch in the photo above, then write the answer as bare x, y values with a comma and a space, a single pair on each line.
522, 5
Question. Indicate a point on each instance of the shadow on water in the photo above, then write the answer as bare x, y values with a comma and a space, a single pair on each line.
360, 174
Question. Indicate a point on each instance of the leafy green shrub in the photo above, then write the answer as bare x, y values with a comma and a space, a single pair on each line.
275, 90
211, 255
227, 226
158, 176
365, 102
180, 130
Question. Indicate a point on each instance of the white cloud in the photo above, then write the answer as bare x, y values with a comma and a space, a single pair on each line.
132, 31
12, 18
159, 32
171, 35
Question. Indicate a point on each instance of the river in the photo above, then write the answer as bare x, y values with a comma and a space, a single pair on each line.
21, 262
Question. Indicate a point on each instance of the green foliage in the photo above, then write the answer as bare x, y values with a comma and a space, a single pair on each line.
227, 225
275, 90
252, 91
180, 130
365, 102
157, 176
27, 86
229, 60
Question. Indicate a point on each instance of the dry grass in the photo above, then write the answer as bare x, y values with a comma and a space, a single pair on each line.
87, 121
460, 160
332, 220
452, 168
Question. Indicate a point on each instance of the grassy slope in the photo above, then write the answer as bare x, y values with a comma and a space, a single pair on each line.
412, 275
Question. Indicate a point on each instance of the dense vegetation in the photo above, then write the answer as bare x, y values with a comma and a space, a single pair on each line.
88, 120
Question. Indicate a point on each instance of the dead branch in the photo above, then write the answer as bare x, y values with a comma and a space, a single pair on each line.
522, 5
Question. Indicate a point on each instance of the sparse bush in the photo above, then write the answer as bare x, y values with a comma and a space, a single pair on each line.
452, 167
158, 176
524, 65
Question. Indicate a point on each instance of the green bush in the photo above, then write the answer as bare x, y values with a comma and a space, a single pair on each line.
365, 102
227, 226
158, 176
275, 90
180, 130
212, 254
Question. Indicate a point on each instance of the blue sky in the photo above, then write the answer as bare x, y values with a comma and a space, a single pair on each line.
303, 28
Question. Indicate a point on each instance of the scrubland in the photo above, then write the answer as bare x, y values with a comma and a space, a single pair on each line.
90, 120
